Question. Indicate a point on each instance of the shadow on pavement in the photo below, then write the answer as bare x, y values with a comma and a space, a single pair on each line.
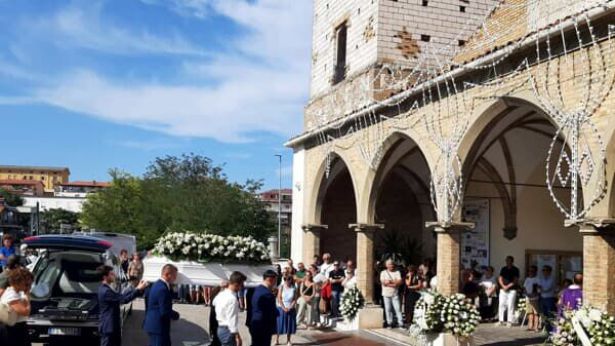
519, 342
183, 332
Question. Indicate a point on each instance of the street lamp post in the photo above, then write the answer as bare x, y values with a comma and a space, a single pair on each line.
280, 208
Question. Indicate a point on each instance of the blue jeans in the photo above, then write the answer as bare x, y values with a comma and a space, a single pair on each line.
335, 303
225, 336
392, 306
548, 307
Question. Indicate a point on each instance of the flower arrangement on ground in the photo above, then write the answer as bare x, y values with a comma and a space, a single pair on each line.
206, 247
435, 313
587, 323
520, 308
352, 301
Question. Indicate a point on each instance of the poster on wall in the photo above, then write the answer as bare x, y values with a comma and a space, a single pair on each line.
475, 244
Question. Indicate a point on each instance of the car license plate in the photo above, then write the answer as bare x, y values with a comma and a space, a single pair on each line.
64, 331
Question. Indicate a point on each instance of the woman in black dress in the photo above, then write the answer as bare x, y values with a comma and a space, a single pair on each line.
412, 287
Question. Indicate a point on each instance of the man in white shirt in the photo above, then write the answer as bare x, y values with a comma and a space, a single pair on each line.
390, 278
548, 300
227, 311
327, 265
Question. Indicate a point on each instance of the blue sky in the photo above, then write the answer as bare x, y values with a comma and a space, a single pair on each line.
100, 84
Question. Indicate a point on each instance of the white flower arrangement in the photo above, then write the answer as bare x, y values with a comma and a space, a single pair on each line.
206, 247
352, 301
435, 313
598, 326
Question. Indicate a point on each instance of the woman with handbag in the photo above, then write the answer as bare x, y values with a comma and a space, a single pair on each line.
306, 293
16, 299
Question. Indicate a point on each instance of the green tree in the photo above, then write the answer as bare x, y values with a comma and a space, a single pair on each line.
54, 219
11, 199
179, 193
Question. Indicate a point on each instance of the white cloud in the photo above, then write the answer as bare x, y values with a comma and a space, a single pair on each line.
262, 86
228, 112
196, 8
145, 145
83, 27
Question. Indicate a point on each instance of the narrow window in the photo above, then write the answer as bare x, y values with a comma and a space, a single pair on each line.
425, 2
462, 43
462, 8
340, 61
425, 38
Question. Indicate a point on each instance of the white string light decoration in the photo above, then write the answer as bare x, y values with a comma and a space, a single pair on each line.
356, 107
444, 112
571, 85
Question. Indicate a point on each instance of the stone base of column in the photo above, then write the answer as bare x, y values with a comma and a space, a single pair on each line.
369, 317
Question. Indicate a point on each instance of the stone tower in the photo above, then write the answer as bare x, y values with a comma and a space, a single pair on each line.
353, 38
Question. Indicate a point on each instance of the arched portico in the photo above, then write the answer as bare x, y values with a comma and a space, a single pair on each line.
503, 158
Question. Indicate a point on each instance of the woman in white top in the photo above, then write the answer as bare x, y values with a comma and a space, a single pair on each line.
17, 298
287, 318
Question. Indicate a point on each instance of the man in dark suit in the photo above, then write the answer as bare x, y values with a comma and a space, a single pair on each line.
159, 311
263, 312
109, 301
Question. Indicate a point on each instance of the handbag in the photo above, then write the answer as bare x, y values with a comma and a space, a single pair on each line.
325, 292
7, 315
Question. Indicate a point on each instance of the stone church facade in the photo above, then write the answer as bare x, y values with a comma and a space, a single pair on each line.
431, 121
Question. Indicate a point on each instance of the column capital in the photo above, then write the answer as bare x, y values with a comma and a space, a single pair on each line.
365, 227
450, 227
313, 228
594, 226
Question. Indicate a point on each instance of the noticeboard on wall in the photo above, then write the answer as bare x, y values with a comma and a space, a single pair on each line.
475, 244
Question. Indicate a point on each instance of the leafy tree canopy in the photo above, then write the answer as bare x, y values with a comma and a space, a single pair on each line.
55, 219
11, 199
178, 193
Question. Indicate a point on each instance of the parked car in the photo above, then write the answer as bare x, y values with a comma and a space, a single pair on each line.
64, 293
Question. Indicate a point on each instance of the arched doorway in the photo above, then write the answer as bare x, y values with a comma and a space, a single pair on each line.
508, 198
400, 201
338, 209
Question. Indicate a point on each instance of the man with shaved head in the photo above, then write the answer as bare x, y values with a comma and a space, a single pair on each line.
159, 311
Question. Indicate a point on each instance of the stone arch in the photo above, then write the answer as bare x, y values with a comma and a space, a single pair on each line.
503, 157
321, 181
336, 208
377, 176
399, 199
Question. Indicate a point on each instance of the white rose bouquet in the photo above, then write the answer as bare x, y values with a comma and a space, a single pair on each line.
597, 325
206, 247
352, 301
438, 314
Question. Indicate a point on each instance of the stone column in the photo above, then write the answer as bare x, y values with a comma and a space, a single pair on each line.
365, 259
449, 255
311, 242
599, 264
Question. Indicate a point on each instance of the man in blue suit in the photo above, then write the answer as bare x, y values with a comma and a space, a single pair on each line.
263, 312
109, 301
159, 310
